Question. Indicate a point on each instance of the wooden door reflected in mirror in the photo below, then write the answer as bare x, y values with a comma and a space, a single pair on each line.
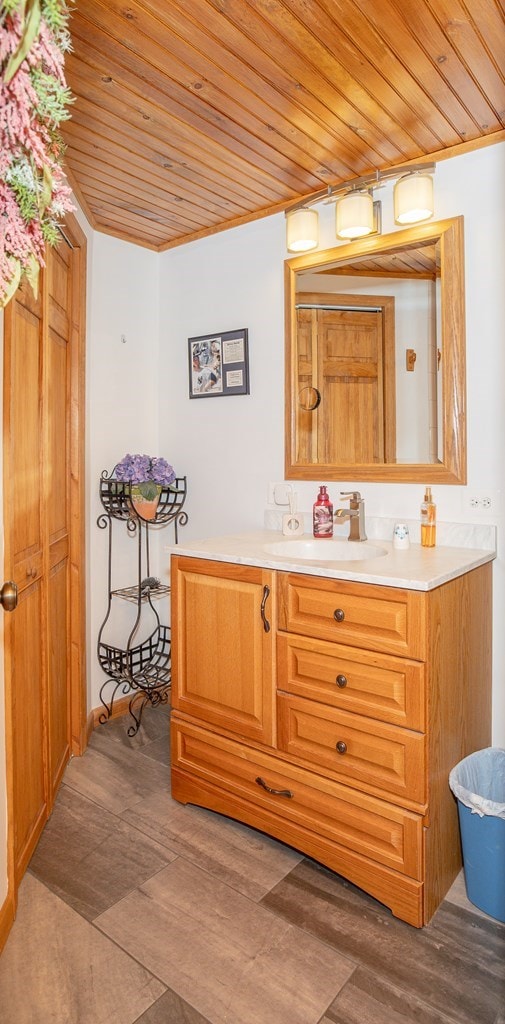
345, 355
357, 405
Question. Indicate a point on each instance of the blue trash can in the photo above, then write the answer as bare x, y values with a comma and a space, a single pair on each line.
478, 783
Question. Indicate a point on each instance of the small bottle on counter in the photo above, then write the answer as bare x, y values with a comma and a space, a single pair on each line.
428, 520
322, 515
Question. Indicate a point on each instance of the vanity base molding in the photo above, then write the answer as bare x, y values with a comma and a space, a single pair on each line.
329, 714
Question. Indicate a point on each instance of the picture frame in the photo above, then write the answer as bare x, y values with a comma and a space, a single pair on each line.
219, 364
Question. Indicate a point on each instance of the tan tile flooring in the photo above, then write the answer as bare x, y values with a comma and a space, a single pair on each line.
137, 909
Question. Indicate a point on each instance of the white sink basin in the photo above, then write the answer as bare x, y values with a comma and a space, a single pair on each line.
326, 550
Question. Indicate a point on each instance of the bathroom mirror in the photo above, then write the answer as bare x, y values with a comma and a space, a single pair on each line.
375, 359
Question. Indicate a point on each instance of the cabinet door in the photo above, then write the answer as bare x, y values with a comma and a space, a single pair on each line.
223, 619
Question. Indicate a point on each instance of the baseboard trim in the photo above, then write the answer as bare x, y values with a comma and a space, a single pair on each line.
120, 707
90, 724
7, 914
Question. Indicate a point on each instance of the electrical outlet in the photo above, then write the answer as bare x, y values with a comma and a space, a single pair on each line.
486, 502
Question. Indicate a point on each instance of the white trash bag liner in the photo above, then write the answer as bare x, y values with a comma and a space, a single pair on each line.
478, 781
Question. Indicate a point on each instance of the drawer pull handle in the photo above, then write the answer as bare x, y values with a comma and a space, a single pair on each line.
266, 624
339, 614
341, 681
275, 792
342, 747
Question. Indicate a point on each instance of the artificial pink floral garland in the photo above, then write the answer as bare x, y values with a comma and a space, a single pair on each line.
34, 194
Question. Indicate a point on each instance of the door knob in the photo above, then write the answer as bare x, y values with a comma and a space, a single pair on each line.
9, 596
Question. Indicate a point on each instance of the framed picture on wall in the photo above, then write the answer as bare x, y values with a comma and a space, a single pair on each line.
219, 364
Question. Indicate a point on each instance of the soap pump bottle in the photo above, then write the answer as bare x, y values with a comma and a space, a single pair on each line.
322, 514
428, 520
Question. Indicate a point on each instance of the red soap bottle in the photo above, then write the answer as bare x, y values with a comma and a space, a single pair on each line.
322, 515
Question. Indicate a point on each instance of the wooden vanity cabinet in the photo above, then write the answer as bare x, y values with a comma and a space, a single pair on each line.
329, 715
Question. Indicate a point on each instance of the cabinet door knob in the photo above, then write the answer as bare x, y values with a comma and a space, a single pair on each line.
275, 792
342, 747
341, 681
339, 614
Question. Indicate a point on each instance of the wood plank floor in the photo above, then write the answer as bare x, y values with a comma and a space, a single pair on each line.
137, 909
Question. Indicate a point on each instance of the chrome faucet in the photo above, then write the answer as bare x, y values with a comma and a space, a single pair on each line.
355, 512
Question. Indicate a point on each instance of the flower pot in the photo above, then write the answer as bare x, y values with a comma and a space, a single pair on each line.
145, 507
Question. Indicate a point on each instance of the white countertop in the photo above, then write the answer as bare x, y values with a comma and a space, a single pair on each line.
417, 568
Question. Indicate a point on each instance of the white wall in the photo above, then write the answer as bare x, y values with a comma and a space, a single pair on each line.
227, 446
231, 447
122, 411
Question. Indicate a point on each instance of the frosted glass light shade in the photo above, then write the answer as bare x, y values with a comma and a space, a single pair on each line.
355, 215
302, 230
413, 198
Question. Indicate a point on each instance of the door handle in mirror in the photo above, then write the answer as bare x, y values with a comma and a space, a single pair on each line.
309, 399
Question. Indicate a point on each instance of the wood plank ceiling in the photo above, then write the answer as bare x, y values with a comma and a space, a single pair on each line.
191, 116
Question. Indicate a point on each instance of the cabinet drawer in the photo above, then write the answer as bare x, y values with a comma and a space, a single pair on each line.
376, 685
355, 821
372, 754
375, 618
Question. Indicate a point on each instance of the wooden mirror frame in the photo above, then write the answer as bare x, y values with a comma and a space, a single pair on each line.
452, 470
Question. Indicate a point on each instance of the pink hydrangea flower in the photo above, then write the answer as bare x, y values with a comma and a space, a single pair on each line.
27, 140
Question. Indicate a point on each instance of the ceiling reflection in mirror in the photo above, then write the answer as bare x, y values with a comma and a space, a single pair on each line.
371, 327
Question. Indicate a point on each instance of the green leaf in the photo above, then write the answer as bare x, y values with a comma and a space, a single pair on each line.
12, 286
32, 275
30, 32
148, 489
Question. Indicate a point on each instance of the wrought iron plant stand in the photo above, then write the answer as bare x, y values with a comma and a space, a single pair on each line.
142, 668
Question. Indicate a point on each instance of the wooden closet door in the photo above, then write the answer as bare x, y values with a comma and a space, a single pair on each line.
351, 385
345, 406
24, 538
44, 549
57, 480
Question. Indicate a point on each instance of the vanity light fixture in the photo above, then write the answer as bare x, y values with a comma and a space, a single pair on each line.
357, 214
413, 198
302, 230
